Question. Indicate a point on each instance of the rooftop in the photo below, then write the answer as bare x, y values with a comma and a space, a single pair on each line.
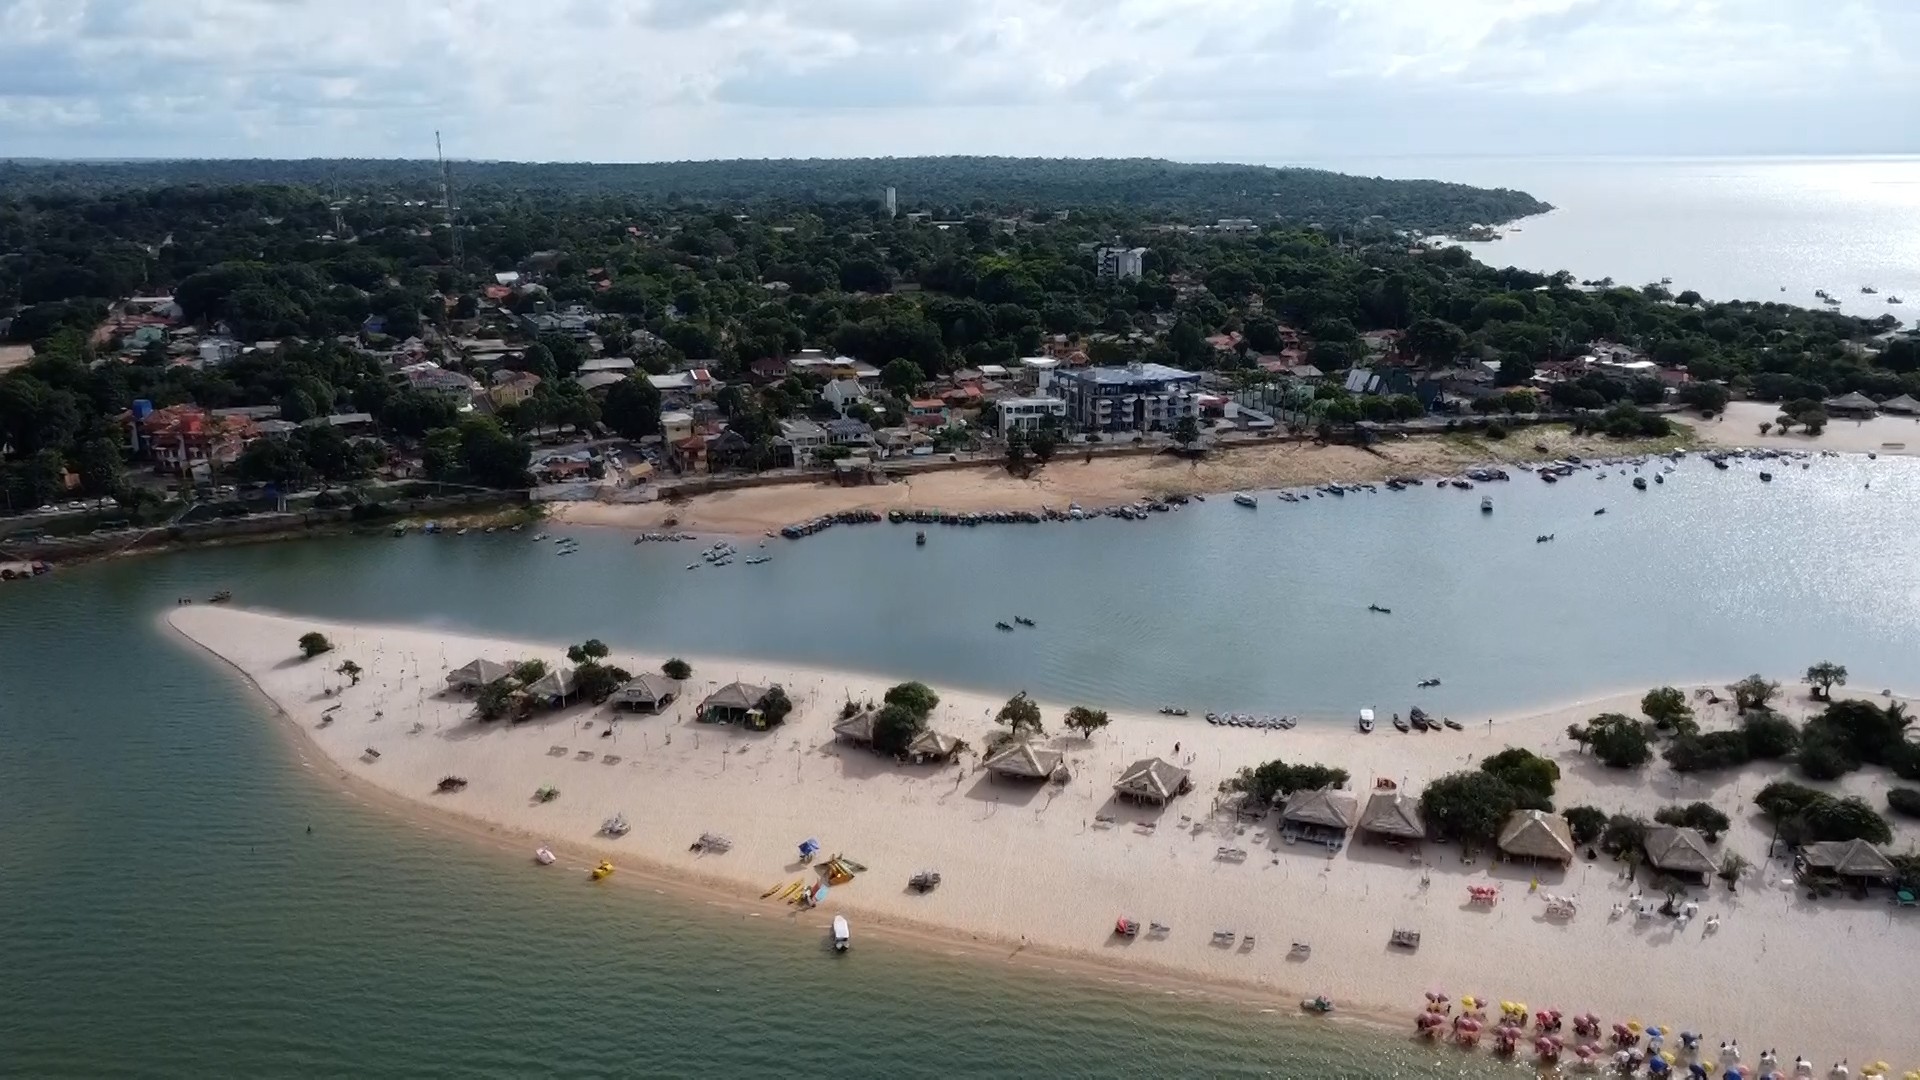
1128, 376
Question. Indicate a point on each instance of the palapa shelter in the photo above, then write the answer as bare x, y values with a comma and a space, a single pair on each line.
556, 685
857, 728
1904, 405
1536, 834
649, 692
1849, 858
1323, 815
1395, 815
1850, 404
732, 703
1681, 851
1021, 760
477, 674
931, 745
1153, 780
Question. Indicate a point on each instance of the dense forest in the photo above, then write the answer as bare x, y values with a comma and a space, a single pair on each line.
728, 286
945, 186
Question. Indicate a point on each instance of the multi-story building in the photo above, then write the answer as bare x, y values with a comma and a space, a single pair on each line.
1120, 263
1138, 397
805, 437
1028, 414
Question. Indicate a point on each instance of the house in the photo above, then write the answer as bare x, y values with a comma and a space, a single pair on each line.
215, 351
1138, 397
1152, 780
431, 377
805, 438
1903, 405
842, 393
1849, 858
927, 412
620, 364
676, 425
648, 692
181, 438
688, 454
562, 468
769, 368
994, 372
1682, 852
350, 420
858, 728
1226, 342
698, 381
1029, 414
599, 380
843, 431
513, 387
1040, 369
1856, 404
1021, 760
735, 702
555, 687
1536, 834
507, 278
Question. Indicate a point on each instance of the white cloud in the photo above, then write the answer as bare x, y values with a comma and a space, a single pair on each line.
1235, 79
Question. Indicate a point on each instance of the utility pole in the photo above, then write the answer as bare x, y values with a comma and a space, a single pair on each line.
447, 207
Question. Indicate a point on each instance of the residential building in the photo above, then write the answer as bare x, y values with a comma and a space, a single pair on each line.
1138, 397
805, 438
1120, 264
694, 381
1029, 413
842, 394
1040, 369
429, 376
845, 432
340, 420
676, 426
215, 351
606, 363
513, 387
927, 412
181, 438
599, 380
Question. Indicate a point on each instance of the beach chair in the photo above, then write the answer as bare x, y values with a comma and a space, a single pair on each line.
1405, 939
1224, 937
1300, 951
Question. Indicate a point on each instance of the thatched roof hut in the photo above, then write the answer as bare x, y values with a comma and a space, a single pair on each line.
556, 685
1327, 808
1021, 760
1850, 858
1851, 404
931, 745
1395, 814
732, 702
477, 674
647, 691
857, 728
1536, 834
1153, 780
1680, 850
1903, 405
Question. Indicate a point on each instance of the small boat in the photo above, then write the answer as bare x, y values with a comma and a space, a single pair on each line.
615, 826
1419, 718
1720, 463
220, 597
543, 856
1766, 476
920, 539
1640, 483
1486, 504
1244, 499
1172, 710
600, 873
537, 537
1366, 721
1600, 511
1023, 620
1379, 609
1543, 538
1003, 626
1895, 300
1400, 725
1424, 683
842, 937
1659, 478
1321, 1004
1452, 723
1868, 290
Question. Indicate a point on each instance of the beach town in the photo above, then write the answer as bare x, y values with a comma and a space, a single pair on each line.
1164, 847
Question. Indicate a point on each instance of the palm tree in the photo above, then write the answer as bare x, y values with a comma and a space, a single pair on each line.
1731, 868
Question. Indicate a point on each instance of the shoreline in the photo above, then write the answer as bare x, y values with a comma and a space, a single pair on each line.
816, 784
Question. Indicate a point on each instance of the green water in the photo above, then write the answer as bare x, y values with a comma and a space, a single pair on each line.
165, 912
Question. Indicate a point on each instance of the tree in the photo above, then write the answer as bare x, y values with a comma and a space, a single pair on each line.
529, 671
1043, 443
1849, 818
902, 376
351, 670
1698, 815
1086, 721
1619, 741
1624, 833
1753, 692
1527, 772
1667, 707
596, 681
1688, 297
1021, 716
915, 697
1277, 779
774, 706
313, 643
494, 700
1904, 801
1732, 865
1468, 807
1016, 450
1823, 677
895, 728
632, 408
1862, 730
590, 649
1770, 736
1186, 431
1586, 823
1824, 756
677, 669
1784, 799
1705, 398
1714, 750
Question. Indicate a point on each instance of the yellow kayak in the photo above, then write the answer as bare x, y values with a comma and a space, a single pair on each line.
777, 886
601, 871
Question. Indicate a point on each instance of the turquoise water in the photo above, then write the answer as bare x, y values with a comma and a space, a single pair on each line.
164, 912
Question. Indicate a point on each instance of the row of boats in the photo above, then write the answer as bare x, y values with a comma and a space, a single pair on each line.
1248, 720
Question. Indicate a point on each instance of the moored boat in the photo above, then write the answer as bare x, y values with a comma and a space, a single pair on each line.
543, 856
601, 872
842, 934
1244, 499
1366, 721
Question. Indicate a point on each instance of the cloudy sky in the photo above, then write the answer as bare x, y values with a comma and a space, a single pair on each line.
1246, 80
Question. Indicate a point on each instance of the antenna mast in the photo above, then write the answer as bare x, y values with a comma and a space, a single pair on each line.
446, 204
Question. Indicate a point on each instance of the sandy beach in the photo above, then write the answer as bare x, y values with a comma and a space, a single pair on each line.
1034, 868
1740, 426
1099, 482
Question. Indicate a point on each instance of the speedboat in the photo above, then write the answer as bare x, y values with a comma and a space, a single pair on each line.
1245, 499
842, 937
543, 856
1366, 721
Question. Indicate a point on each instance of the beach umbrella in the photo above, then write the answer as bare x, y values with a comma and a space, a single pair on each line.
1633, 1026
809, 846
1656, 1067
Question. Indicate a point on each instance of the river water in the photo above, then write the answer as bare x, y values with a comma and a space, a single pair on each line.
164, 912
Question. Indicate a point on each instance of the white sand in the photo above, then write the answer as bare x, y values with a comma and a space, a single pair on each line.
1029, 867
1740, 426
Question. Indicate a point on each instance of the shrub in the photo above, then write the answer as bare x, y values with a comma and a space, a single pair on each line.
1524, 770
915, 697
1277, 778
495, 699
1468, 806
1714, 750
1753, 692
527, 671
896, 727
1784, 799
313, 643
677, 669
1824, 758
1905, 761
1623, 833
1699, 816
1021, 716
1667, 707
1496, 430
1864, 731
1770, 736
1904, 801
1619, 741
1585, 822
1842, 819
774, 706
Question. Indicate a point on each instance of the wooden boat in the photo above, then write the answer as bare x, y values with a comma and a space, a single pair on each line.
1640, 483
1486, 504
1023, 620
1419, 718
1003, 626
1400, 725
1247, 500
1452, 723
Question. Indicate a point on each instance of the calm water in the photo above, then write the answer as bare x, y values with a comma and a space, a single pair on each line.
1730, 228
164, 913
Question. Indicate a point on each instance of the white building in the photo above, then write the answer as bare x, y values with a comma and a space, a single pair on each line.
1120, 264
1029, 413
806, 438
1040, 369
893, 203
842, 393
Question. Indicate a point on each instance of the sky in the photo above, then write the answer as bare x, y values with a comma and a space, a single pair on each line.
1269, 81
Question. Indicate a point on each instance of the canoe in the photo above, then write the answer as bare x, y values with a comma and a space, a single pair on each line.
777, 886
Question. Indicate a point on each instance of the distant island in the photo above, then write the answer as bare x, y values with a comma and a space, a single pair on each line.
1290, 195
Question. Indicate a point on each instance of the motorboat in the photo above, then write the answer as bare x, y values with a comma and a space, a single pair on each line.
615, 826
601, 872
1640, 483
1244, 499
1659, 478
543, 856
842, 936
1600, 511
1366, 721
920, 539
1486, 504
1379, 610
1008, 627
